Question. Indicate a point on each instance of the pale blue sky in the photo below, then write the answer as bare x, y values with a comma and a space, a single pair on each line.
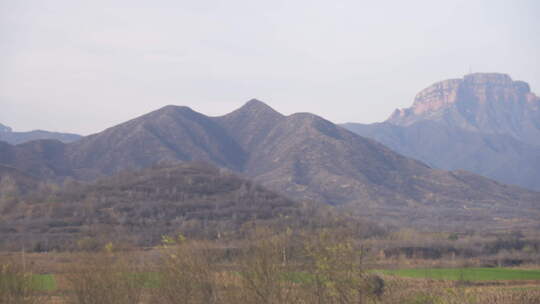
83, 66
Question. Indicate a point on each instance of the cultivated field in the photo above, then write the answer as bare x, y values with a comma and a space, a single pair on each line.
468, 274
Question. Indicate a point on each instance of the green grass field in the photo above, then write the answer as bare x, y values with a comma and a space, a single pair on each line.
44, 282
467, 274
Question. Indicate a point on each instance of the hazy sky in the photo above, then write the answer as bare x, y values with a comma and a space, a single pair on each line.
82, 66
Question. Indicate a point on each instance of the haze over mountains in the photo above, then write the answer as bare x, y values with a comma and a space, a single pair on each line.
483, 123
302, 156
8, 135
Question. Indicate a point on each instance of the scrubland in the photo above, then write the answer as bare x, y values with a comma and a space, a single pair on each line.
326, 265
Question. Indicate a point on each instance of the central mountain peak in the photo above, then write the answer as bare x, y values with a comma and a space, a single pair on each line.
256, 102
173, 110
256, 107
249, 124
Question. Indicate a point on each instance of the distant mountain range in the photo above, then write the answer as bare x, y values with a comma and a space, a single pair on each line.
14, 138
302, 156
484, 123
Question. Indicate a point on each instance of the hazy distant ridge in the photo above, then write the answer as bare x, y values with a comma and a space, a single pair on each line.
15, 138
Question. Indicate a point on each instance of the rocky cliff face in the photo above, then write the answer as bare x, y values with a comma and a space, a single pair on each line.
483, 102
483, 123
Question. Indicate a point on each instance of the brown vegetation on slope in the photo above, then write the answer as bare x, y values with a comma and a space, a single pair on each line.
140, 206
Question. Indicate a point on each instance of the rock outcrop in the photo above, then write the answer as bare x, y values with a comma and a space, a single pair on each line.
488, 103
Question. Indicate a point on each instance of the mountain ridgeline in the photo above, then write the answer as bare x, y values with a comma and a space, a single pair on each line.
484, 123
302, 156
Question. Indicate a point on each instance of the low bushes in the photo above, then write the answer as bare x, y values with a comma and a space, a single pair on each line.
105, 278
17, 285
271, 269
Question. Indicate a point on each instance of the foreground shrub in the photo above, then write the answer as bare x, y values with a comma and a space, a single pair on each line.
17, 286
186, 274
265, 271
524, 296
335, 266
104, 278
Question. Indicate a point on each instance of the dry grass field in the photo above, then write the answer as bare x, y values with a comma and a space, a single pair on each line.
267, 268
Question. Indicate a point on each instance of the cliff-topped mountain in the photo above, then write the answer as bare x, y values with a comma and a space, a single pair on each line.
301, 155
483, 123
8, 135
487, 103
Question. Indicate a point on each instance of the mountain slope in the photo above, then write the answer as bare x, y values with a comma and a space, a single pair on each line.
303, 156
43, 159
142, 206
500, 157
484, 123
170, 133
14, 183
306, 156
